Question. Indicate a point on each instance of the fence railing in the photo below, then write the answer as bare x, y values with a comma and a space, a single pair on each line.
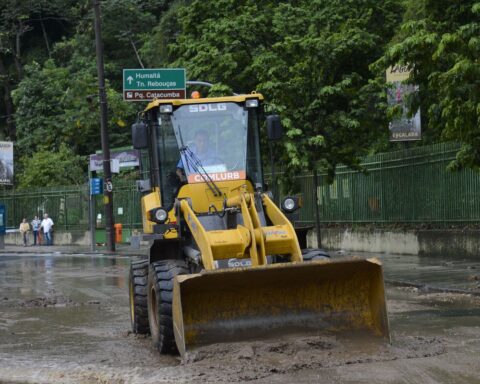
69, 206
409, 186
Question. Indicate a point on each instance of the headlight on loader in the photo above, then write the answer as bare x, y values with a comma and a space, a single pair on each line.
166, 108
290, 204
158, 215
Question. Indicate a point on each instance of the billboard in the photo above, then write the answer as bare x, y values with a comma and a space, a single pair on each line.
404, 128
126, 158
6, 163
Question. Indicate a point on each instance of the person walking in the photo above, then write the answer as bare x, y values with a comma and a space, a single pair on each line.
47, 226
35, 227
24, 229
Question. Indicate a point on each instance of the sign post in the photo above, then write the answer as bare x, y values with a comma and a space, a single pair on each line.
96, 188
150, 84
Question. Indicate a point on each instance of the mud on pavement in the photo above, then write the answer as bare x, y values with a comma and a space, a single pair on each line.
66, 320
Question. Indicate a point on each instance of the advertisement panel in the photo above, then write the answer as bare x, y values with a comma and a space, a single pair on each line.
404, 128
6, 163
126, 158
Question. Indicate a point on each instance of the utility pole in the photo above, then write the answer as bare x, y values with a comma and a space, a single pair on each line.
317, 209
107, 173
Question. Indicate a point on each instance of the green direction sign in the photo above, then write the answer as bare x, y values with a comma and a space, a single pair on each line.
149, 84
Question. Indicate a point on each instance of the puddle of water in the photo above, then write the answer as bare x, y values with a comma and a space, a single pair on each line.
416, 313
91, 326
433, 271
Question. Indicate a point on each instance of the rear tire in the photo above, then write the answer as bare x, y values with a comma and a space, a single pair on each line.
160, 296
310, 254
138, 297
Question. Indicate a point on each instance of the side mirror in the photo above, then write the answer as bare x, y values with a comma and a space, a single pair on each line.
274, 127
139, 135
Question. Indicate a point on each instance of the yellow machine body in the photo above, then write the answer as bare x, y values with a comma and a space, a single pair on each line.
291, 298
263, 298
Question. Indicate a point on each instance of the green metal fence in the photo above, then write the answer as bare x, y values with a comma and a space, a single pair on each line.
409, 186
69, 206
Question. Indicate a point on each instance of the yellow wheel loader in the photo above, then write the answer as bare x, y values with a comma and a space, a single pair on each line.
225, 262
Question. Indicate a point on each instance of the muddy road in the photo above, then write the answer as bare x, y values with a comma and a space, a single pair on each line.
65, 319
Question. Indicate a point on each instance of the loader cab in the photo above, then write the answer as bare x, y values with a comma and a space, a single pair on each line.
208, 140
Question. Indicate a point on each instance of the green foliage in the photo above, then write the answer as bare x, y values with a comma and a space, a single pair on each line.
57, 106
311, 60
220, 89
442, 45
125, 25
48, 73
319, 63
50, 168
154, 50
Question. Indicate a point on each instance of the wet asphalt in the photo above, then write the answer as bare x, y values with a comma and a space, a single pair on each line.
63, 312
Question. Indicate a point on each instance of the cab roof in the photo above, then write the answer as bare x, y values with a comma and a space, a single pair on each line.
224, 99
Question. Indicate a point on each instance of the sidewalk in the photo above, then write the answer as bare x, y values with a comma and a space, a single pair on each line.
120, 250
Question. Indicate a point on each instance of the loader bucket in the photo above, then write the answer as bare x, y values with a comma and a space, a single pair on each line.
257, 302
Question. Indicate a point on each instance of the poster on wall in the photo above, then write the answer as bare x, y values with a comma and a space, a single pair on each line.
6, 163
404, 128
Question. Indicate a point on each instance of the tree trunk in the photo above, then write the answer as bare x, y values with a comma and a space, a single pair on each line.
136, 52
45, 37
9, 109
21, 29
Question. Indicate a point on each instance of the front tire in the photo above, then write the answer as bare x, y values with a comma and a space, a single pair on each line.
138, 297
160, 296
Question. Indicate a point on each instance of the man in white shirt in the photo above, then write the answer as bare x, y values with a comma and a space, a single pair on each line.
47, 225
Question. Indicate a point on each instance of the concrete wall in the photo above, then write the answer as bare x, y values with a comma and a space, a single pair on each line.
59, 238
412, 242
420, 242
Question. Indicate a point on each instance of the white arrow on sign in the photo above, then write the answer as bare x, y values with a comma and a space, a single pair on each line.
129, 79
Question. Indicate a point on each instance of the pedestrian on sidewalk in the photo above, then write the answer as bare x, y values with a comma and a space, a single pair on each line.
47, 226
35, 227
24, 229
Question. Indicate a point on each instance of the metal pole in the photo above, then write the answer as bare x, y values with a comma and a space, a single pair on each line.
91, 210
91, 215
317, 210
272, 169
107, 191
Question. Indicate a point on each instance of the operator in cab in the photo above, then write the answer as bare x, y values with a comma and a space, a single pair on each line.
202, 151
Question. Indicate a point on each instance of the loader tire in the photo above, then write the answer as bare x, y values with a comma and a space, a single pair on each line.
138, 296
310, 254
160, 296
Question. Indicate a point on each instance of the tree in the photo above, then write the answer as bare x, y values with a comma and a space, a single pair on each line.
26, 29
50, 168
59, 105
318, 76
125, 25
215, 41
310, 58
48, 78
441, 43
